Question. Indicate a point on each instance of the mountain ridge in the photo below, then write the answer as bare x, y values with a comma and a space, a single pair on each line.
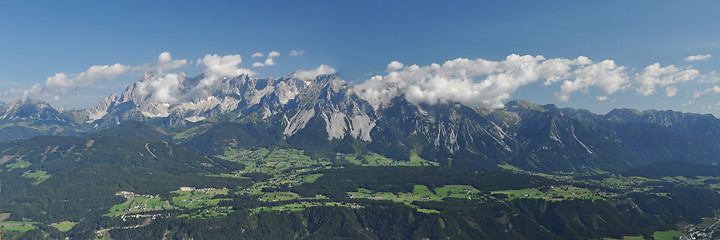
326, 114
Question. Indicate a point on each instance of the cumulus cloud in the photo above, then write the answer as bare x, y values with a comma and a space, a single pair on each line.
394, 66
221, 66
601, 98
308, 75
269, 61
490, 83
296, 53
164, 89
714, 89
654, 75
711, 77
712, 106
257, 55
670, 91
604, 75
698, 58
164, 57
63, 84
163, 63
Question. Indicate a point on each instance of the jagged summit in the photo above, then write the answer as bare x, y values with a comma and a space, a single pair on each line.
522, 105
324, 113
30, 109
184, 99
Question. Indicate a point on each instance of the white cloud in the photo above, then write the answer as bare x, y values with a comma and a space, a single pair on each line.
711, 77
257, 55
269, 61
163, 63
601, 98
63, 84
296, 53
221, 66
670, 91
490, 83
605, 75
394, 66
714, 89
698, 58
713, 106
165, 89
314, 73
164, 57
654, 75
273, 54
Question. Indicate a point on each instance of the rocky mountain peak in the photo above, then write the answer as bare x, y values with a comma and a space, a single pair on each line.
519, 106
30, 109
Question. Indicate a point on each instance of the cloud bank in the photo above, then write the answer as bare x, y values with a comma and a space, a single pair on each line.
308, 75
477, 82
654, 75
63, 84
491, 83
698, 58
714, 89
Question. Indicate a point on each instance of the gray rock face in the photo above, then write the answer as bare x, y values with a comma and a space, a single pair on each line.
30, 110
324, 111
326, 96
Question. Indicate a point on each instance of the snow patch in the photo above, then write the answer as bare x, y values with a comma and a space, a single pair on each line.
195, 119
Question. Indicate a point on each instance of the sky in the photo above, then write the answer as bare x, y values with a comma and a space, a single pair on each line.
596, 55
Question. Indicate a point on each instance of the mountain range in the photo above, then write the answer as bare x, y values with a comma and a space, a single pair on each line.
324, 114
310, 158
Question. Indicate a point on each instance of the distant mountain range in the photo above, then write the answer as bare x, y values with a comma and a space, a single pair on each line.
326, 115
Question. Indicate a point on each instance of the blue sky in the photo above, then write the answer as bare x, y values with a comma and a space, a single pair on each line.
360, 38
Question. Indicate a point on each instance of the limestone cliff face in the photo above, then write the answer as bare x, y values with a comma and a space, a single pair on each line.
325, 96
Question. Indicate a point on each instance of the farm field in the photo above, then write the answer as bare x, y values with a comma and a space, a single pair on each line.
17, 164
553, 193
189, 198
667, 235
278, 196
626, 238
39, 176
303, 205
16, 226
273, 161
209, 212
374, 159
64, 225
197, 198
137, 203
420, 193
